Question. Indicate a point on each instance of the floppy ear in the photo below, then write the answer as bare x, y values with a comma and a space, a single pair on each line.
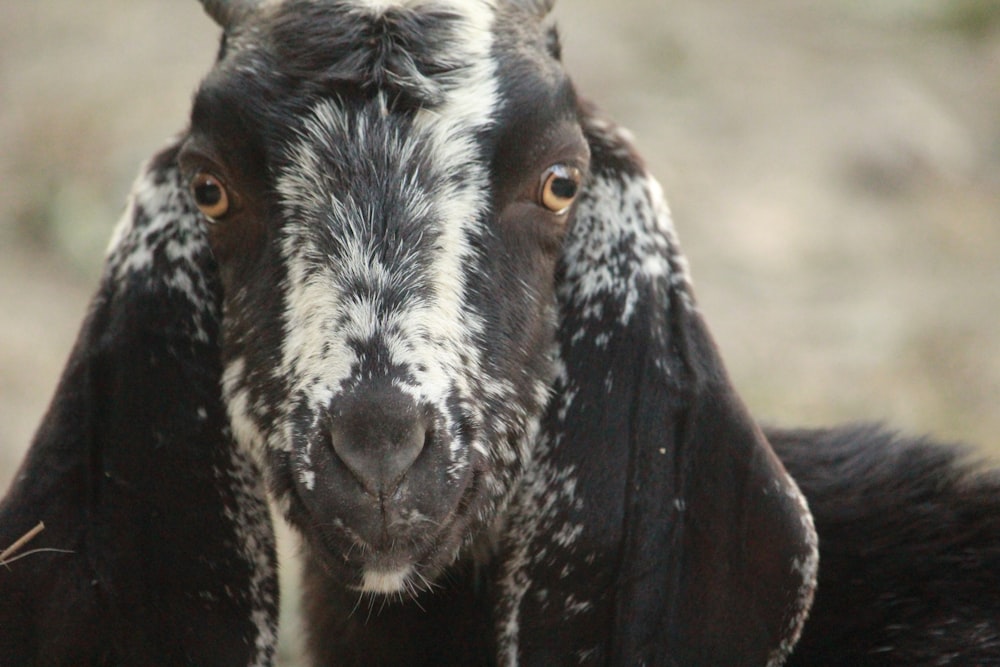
157, 545
719, 553
655, 526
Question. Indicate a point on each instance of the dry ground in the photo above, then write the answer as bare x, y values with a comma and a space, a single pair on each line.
834, 170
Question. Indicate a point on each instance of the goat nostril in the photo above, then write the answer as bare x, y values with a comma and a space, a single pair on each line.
377, 448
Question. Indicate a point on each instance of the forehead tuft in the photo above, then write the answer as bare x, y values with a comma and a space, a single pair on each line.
414, 51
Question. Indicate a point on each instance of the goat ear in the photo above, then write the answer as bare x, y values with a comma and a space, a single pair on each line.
655, 510
719, 552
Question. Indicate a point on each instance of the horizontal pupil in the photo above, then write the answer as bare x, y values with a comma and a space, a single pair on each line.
208, 194
564, 188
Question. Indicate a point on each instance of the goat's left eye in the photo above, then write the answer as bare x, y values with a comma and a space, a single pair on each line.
560, 185
210, 195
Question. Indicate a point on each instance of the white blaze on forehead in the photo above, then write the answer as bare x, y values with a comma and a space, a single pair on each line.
433, 337
451, 129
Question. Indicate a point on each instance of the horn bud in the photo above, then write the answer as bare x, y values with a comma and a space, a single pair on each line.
228, 13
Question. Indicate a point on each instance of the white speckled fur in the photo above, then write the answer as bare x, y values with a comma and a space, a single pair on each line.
166, 211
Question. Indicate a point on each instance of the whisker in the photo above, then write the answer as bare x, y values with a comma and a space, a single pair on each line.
14, 559
357, 603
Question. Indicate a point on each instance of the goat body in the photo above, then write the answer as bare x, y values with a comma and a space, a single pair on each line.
910, 549
157, 546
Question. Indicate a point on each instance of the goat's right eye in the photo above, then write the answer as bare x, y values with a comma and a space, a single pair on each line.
560, 185
210, 195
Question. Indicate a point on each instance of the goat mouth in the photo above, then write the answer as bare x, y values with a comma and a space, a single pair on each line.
409, 568
407, 557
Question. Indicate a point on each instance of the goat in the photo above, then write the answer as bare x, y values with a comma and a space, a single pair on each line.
437, 263
458, 331
478, 374
157, 546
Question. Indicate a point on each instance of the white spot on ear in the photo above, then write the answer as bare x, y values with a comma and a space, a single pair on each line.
567, 534
622, 235
576, 607
255, 540
544, 491
160, 221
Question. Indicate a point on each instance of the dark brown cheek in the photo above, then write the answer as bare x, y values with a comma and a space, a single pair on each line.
552, 238
532, 233
237, 243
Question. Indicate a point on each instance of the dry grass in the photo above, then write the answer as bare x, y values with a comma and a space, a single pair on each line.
9, 554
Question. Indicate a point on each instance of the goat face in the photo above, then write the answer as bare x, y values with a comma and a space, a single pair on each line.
387, 202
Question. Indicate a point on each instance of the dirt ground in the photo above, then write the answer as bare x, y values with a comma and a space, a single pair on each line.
834, 170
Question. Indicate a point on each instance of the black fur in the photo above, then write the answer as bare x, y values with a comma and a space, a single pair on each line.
910, 549
448, 625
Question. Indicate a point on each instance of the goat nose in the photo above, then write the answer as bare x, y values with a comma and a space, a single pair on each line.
378, 437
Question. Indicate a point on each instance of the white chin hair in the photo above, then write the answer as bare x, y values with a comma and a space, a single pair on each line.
385, 581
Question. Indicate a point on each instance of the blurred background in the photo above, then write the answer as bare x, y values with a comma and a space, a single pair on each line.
833, 167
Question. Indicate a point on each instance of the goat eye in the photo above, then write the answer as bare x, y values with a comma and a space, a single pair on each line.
210, 195
560, 185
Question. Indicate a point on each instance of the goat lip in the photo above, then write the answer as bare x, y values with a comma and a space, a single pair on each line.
431, 543
343, 551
